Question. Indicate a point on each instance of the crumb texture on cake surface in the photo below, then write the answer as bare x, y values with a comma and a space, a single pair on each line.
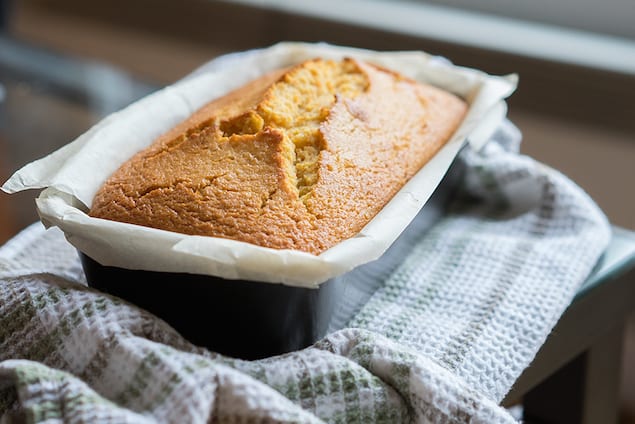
301, 158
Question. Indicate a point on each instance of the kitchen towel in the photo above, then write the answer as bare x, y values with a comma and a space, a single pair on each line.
440, 338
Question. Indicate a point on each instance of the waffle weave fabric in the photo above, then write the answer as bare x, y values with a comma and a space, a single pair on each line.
440, 338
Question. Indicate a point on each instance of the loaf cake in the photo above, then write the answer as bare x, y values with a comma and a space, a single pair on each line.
301, 158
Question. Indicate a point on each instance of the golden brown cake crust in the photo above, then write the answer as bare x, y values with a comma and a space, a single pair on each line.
301, 158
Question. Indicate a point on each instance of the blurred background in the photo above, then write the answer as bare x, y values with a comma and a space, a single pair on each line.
65, 64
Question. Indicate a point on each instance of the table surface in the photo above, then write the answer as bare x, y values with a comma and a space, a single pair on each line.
618, 258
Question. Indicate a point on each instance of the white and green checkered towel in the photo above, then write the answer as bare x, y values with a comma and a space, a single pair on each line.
441, 338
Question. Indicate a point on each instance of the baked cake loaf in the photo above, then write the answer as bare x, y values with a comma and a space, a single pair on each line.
301, 158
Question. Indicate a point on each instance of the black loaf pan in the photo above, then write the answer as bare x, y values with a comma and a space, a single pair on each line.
250, 319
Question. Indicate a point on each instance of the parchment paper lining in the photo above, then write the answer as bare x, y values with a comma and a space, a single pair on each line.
73, 174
